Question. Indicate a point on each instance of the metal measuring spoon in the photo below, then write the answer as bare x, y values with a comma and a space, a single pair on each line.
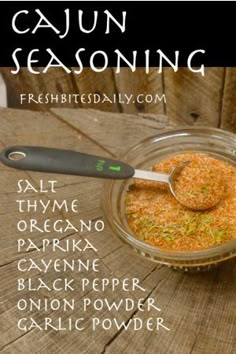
41, 159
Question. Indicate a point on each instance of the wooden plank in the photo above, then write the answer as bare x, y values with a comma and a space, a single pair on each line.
146, 90
66, 342
199, 309
3, 93
228, 115
101, 85
25, 127
115, 132
193, 99
55, 82
205, 334
32, 128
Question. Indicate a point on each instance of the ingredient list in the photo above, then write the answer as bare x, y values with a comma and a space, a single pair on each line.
61, 283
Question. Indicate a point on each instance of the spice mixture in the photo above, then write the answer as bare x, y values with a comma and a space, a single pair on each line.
156, 217
200, 187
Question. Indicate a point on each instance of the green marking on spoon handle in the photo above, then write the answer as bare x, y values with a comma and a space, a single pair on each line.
115, 168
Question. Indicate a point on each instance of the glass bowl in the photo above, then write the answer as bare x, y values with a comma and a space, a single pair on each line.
216, 143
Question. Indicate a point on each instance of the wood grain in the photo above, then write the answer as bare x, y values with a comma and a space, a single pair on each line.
89, 82
190, 98
228, 114
139, 84
56, 81
193, 99
124, 130
199, 308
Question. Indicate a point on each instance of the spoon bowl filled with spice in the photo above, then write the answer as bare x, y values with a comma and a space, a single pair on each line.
199, 184
195, 230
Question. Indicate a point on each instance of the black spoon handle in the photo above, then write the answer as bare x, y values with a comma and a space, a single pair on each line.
42, 159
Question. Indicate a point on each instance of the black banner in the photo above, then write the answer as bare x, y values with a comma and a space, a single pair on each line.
38, 33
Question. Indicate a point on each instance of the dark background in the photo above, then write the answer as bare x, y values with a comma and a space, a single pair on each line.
168, 26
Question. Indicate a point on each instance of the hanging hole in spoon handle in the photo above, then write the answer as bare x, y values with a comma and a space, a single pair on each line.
16, 155
42, 159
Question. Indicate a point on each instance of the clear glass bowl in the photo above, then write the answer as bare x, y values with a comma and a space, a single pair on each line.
216, 143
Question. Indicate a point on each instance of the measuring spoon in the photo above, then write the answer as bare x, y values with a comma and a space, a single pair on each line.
42, 159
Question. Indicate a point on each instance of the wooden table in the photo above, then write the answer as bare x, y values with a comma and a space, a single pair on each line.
199, 309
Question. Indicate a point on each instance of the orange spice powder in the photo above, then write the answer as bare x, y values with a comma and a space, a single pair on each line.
199, 186
157, 218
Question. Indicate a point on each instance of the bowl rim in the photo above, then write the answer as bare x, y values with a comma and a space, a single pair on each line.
225, 250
